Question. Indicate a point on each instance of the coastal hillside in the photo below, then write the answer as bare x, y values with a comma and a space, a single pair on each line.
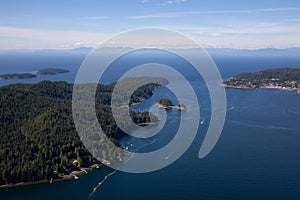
38, 136
281, 78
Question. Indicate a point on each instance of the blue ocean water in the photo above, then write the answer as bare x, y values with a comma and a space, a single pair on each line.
31, 62
257, 156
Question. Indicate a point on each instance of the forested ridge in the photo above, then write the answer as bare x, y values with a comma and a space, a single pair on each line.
38, 137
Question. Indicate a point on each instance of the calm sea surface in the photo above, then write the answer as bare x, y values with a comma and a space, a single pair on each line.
257, 156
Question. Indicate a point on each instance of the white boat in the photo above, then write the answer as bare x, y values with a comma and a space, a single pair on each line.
75, 177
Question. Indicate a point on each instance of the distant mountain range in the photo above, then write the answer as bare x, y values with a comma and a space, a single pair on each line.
291, 52
81, 50
257, 52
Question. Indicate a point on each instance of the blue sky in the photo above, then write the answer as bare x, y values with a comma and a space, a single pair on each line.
57, 24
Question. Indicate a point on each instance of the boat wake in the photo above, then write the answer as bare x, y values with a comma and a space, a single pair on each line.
101, 182
144, 145
231, 108
95, 189
261, 126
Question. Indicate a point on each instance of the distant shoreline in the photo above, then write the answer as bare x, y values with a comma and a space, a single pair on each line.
262, 87
278, 78
41, 72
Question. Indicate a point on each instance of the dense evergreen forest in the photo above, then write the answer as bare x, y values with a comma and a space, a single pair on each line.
38, 137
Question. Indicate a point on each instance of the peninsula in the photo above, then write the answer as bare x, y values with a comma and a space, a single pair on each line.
281, 78
17, 76
39, 140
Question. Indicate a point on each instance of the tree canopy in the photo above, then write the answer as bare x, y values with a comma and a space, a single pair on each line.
38, 137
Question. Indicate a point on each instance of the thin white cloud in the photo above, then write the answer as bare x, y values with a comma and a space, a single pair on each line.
94, 17
262, 28
293, 20
236, 42
237, 34
161, 15
144, 1
244, 34
12, 38
169, 2
163, 2
180, 14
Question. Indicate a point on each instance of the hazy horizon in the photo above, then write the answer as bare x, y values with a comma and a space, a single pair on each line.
214, 24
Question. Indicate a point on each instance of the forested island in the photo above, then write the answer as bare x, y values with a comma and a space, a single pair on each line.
38, 136
168, 104
281, 78
17, 76
47, 71
51, 71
